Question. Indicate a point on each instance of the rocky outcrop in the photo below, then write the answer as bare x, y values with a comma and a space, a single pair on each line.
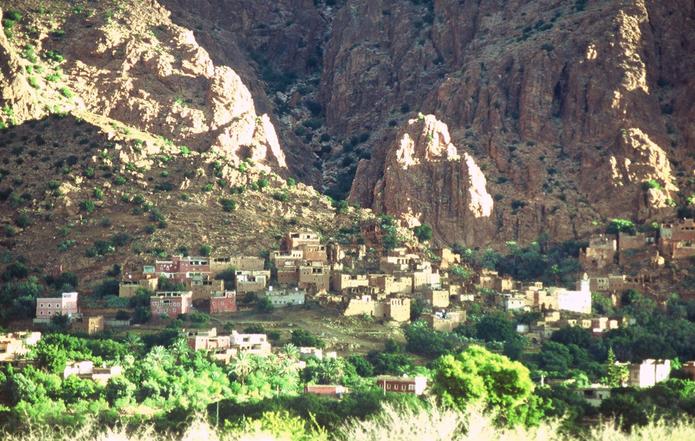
426, 178
574, 111
15, 93
137, 67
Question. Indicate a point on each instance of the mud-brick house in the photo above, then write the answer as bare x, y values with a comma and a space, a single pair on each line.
49, 307
223, 302
171, 303
408, 385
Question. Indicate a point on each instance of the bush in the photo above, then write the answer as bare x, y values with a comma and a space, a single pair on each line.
23, 220
106, 288
291, 182
264, 305
98, 194
423, 232
651, 183
281, 196
208, 187
66, 92
205, 250
87, 206
621, 225
262, 183
185, 151
54, 56
121, 239
34, 82
228, 204
66, 245
13, 15
302, 337
119, 180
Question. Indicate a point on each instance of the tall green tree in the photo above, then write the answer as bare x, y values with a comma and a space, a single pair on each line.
616, 374
478, 376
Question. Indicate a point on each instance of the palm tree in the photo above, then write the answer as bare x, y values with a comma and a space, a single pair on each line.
134, 343
243, 364
290, 351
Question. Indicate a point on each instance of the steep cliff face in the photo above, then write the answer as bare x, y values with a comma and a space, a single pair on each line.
133, 65
426, 177
573, 111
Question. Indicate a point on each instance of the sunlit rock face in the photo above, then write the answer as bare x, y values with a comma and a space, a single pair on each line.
426, 179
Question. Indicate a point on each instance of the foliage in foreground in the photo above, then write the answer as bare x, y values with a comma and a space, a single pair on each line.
392, 423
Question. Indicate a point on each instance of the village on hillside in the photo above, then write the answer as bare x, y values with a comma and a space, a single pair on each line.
353, 279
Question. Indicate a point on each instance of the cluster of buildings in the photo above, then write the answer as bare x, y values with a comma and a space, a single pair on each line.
606, 252
226, 347
512, 295
640, 375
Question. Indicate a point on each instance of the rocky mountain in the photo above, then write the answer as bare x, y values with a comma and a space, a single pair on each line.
489, 121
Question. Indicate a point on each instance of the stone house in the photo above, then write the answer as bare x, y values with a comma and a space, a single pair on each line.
341, 281
287, 276
390, 264
253, 344
600, 253
207, 340
315, 253
447, 258
171, 303
485, 279
409, 385
423, 277
397, 309
689, 368
326, 390
87, 371
314, 277
595, 394
251, 281
285, 297
203, 288
223, 302
89, 325
48, 307
390, 284
445, 321
649, 372
436, 298
16, 345
514, 302
129, 286
635, 249
297, 239
242, 263
677, 241
291, 258
363, 305
349, 254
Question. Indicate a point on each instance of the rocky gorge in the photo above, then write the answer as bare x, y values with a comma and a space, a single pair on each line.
489, 121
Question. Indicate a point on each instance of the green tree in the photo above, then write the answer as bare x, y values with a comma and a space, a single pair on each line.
423, 232
302, 337
264, 305
495, 328
479, 376
618, 225
616, 374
